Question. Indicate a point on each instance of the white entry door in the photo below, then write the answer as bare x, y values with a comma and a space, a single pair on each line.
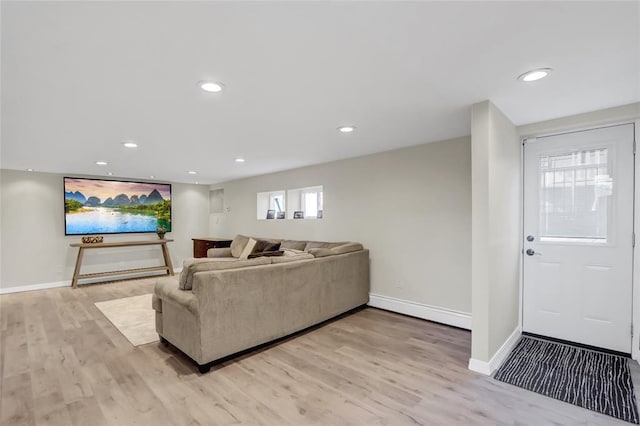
578, 232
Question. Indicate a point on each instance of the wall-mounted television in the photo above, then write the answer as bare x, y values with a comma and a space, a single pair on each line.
96, 206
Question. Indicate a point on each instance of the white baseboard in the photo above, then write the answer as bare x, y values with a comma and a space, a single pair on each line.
419, 310
44, 286
487, 368
32, 287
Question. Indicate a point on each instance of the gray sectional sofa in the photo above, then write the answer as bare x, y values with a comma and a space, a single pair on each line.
239, 297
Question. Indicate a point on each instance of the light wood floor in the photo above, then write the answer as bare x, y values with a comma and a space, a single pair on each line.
62, 362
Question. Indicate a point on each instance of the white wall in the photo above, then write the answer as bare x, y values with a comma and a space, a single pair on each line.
505, 225
35, 250
496, 231
496, 223
410, 207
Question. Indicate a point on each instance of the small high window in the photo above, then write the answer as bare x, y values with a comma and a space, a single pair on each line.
271, 205
305, 203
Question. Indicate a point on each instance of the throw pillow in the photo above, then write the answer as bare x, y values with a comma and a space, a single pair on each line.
248, 249
266, 254
264, 245
238, 244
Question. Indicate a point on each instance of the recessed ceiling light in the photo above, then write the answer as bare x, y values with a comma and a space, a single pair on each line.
109, 173
191, 172
210, 86
346, 129
534, 75
239, 160
152, 177
101, 163
196, 183
29, 170
130, 144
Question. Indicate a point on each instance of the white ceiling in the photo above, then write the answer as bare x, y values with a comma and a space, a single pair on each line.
78, 78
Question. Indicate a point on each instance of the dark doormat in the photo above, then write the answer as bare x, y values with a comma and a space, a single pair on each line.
593, 380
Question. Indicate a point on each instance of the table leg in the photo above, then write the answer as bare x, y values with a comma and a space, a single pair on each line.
76, 272
167, 259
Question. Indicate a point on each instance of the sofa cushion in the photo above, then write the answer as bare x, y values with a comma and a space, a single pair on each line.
293, 244
219, 252
248, 249
321, 244
291, 252
238, 244
346, 248
193, 266
320, 252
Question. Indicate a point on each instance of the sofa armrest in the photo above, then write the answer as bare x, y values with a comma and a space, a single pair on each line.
156, 303
167, 289
219, 252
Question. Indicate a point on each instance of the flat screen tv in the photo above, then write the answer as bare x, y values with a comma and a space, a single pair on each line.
95, 206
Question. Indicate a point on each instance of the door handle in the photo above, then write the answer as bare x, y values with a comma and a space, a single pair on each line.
531, 252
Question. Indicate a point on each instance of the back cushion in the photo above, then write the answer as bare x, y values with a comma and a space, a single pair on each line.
238, 244
320, 252
346, 248
321, 244
293, 244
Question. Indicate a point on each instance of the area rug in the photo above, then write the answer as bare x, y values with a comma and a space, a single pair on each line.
133, 317
593, 380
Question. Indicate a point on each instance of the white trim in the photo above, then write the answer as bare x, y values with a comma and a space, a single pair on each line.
635, 309
616, 115
479, 367
521, 266
530, 139
57, 284
487, 368
32, 287
419, 310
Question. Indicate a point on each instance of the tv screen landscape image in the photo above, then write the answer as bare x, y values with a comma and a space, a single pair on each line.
94, 206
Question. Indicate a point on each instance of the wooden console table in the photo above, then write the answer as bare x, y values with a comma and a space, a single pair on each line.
168, 268
201, 245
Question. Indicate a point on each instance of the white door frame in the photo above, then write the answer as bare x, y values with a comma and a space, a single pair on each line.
635, 308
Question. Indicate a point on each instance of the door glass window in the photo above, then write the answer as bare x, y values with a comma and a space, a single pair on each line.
575, 196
